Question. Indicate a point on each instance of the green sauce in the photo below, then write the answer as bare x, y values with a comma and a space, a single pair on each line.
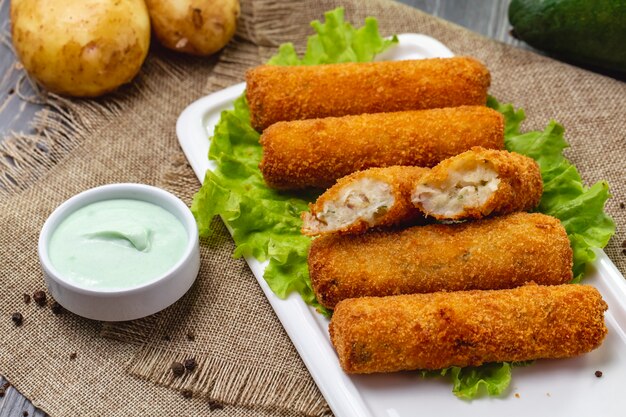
117, 244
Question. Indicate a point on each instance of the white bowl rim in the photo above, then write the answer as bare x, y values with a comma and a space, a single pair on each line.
152, 195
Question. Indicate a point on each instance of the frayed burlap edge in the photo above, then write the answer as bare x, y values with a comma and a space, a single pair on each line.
26, 158
62, 125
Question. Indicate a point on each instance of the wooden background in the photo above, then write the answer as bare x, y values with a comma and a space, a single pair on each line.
18, 102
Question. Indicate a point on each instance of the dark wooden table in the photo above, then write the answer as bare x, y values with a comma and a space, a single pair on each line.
18, 102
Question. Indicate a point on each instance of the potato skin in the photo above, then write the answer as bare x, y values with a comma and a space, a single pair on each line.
196, 27
80, 48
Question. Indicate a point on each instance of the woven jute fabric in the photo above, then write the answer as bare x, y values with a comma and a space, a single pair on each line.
246, 363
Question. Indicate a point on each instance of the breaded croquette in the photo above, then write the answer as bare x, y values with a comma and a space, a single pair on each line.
467, 328
495, 253
316, 153
474, 184
478, 183
365, 199
282, 93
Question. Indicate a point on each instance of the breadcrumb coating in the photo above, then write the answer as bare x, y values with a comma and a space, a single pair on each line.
479, 183
494, 253
467, 328
280, 93
316, 153
365, 199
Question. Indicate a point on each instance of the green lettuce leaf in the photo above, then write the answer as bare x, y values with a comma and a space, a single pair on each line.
266, 223
467, 382
336, 41
580, 209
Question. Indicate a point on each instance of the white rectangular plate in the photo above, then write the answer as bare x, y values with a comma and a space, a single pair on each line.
566, 387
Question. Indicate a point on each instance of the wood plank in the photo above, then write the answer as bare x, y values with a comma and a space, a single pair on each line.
14, 404
15, 112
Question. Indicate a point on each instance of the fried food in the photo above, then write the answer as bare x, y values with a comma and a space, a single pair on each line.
478, 183
365, 199
495, 253
279, 93
315, 153
474, 184
467, 328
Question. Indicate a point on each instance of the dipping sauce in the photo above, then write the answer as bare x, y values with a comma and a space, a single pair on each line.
117, 243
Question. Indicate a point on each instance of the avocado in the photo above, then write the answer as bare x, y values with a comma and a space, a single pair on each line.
587, 32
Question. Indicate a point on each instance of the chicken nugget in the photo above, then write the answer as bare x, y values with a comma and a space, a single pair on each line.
494, 253
478, 183
316, 153
365, 199
280, 93
467, 328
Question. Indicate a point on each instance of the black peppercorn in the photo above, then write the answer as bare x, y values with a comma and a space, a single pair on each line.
40, 298
178, 369
57, 308
190, 364
215, 406
598, 374
17, 318
26, 298
73, 356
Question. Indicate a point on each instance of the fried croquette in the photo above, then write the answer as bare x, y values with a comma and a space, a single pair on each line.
365, 199
478, 183
282, 93
316, 153
494, 253
466, 328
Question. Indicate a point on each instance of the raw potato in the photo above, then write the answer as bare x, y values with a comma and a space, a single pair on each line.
197, 27
82, 48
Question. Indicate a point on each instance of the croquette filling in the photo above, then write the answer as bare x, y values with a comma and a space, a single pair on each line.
469, 184
366, 200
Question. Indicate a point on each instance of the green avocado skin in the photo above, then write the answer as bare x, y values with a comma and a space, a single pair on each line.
589, 32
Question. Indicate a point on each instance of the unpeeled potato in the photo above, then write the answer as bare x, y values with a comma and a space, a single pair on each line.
197, 27
81, 48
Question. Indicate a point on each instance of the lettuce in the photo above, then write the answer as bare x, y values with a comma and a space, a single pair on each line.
266, 223
336, 41
467, 382
580, 209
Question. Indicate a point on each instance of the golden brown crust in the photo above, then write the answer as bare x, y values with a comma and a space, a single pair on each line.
400, 178
495, 253
315, 153
279, 93
520, 186
467, 328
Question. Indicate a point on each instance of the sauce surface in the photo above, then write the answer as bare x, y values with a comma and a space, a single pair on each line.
117, 243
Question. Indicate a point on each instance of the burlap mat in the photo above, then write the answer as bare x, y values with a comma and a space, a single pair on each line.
246, 361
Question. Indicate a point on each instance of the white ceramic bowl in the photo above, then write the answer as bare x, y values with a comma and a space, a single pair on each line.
132, 302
